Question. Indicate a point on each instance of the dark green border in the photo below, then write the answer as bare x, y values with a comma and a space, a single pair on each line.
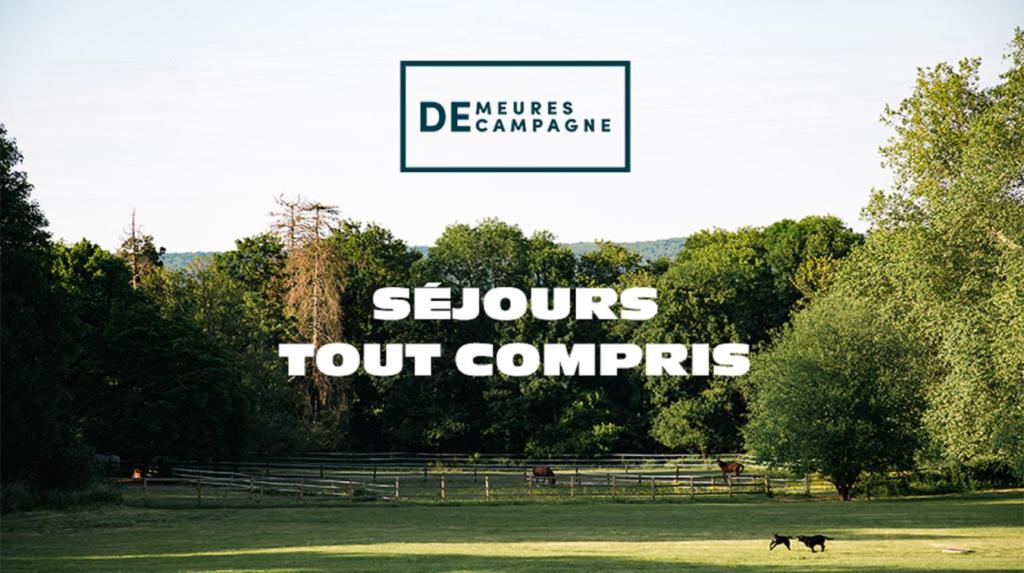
624, 64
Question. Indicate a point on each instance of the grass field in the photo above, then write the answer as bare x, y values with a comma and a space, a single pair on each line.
719, 535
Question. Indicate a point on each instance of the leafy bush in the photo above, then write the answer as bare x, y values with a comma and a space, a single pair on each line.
986, 472
20, 495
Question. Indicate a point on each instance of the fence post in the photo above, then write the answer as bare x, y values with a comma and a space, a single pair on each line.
302, 488
652, 489
199, 490
572, 486
487, 487
624, 464
529, 486
145, 487
613, 486
677, 473
474, 475
397, 491
767, 487
424, 473
374, 473
693, 490
348, 490
321, 471
728, 482
444, 494
807, 485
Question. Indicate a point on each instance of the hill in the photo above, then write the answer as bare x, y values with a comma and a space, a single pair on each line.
178, 261
650, 250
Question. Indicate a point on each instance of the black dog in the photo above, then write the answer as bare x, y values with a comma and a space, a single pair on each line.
779, 540
813, 540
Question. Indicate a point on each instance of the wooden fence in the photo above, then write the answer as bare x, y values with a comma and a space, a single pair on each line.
324, 464
284, 483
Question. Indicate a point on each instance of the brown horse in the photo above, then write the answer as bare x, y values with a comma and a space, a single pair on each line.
729, 467
544, 473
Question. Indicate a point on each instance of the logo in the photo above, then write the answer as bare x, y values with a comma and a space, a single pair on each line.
515, 116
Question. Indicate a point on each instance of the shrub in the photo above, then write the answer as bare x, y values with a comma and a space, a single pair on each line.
21, 495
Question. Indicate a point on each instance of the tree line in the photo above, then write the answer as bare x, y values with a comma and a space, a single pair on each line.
870, 353
184, 363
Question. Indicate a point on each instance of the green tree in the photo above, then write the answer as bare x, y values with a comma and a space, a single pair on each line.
732, 286
803, 256
382, 408
706, 422
839, 394
605, 265
143, 385
537, 414
945, 251
237, 297
457, 410
40, 442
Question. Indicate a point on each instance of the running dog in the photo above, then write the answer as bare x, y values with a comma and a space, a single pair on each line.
813, 540
778, 540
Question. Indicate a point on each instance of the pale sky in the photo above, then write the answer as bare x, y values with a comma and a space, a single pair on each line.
197, 113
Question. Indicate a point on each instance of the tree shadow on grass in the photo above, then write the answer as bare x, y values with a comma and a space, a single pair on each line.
306, 562
327, 539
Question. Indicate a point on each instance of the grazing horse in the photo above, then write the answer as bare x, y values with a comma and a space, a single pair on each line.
544, 473
729, 467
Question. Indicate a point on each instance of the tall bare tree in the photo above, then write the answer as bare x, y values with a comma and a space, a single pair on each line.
315, 284
285, 222
139, 252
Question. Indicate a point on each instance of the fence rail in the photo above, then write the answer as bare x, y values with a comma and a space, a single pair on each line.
396, 462
335, 477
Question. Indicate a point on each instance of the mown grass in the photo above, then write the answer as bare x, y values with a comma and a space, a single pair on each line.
706, 535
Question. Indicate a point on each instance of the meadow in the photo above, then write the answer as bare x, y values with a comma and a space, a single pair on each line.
716, 534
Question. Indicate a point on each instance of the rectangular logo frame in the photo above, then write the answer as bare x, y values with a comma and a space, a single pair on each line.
624, 64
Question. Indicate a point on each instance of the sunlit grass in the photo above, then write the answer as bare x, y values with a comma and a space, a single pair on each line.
881, 535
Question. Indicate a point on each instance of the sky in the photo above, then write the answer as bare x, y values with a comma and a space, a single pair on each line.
196, 114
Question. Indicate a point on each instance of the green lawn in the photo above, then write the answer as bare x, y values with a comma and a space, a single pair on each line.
722, 535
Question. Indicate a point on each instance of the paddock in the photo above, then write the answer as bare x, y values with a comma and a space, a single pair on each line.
408, 478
